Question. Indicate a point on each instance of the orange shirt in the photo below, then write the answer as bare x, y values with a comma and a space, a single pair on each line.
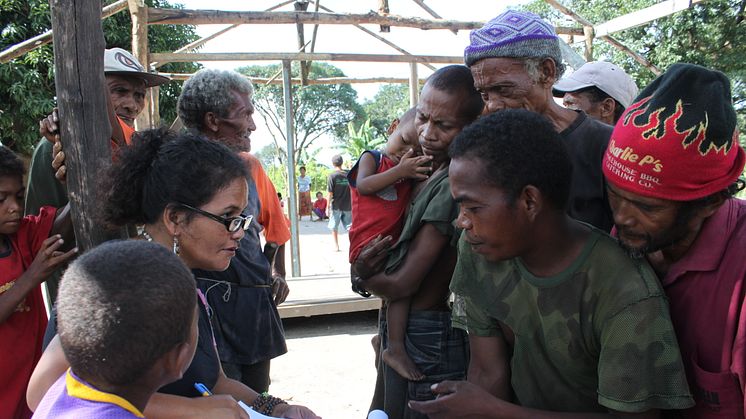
127, 131
270, 215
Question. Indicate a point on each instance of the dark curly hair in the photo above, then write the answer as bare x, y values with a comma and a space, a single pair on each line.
10, 163
458, 79
163, 168
518, 148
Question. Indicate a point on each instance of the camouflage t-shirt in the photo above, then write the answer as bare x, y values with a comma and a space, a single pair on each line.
596, 336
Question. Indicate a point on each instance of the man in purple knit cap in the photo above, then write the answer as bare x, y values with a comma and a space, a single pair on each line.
515, 59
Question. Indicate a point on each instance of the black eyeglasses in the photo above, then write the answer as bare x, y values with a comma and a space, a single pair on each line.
232, 224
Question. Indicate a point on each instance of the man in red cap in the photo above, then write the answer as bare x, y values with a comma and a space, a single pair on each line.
672, 166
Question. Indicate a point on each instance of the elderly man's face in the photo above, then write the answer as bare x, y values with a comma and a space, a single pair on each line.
236, 127
127, 95
504, 83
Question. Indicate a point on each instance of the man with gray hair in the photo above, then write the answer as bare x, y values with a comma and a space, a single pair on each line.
515, 59
244, 298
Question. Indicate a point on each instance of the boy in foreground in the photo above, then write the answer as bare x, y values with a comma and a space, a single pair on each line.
126, 328
557, 314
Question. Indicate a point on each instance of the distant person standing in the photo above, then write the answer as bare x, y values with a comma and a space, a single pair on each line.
304, 194
339, 197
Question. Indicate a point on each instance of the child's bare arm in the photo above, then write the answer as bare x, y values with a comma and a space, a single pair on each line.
45, 262
410, 167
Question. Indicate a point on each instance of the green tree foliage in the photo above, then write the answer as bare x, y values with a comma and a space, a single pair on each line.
28, 91
361, 139
318, 109
389, 103
711, 34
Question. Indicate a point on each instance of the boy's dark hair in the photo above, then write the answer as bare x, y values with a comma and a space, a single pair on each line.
319, 193
518, 148
121, 307
302, 168
10, 163
458, 79
337, 160
163, 168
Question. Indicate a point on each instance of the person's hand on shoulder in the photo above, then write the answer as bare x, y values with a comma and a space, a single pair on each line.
292, 411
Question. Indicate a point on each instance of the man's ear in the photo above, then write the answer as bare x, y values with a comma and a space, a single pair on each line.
392, 127
548, 72
211, 122
172, 219
712, 205
531, 201
177, 360
607, 107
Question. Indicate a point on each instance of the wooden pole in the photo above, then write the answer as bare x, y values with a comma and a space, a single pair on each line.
292, 197
139, 14
414, 86
588, 30
383, 10
326, 80
378, 37
432, 13
302, 6
21, 48
616, 44
84, 122
293, 56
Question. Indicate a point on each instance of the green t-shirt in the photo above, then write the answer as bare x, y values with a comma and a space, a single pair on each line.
596, 336
433, 205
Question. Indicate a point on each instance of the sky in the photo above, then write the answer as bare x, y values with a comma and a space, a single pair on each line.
345, 39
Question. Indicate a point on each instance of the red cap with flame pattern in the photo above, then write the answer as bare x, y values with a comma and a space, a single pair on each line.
678, 140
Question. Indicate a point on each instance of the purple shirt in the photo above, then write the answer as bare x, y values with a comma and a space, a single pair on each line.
706, 291
72, 398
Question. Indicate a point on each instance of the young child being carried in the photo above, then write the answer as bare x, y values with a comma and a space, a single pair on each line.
127, 321
30, 250
381, 186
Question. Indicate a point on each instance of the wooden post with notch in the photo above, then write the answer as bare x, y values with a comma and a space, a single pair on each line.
84, 122
139, 14
383, 9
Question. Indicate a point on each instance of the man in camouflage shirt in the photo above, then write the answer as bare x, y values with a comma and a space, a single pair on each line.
560, 320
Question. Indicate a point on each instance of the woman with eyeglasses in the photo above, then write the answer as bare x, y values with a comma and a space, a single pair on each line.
187, 193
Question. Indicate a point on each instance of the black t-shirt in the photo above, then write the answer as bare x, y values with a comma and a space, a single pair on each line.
586, 140
339, 186
205, 366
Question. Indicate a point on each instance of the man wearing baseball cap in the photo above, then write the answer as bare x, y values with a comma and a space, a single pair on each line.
673, 166
598, 88
515, 59
126, 82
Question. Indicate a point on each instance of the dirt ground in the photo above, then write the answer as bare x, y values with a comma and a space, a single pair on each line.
329, 366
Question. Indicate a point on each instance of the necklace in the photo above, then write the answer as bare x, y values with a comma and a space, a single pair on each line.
146, 235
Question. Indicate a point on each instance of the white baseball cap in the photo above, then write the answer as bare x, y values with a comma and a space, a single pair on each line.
120, 62
609, 78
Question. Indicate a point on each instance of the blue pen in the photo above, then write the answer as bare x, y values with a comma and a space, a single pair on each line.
202, 389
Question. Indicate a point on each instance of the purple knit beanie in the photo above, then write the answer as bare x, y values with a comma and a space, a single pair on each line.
513, 34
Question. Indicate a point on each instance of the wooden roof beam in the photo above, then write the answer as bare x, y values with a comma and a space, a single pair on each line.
329, 80
643, 16
432, 12
616, 44
377, 36
30, 44
280, 56
158, 16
